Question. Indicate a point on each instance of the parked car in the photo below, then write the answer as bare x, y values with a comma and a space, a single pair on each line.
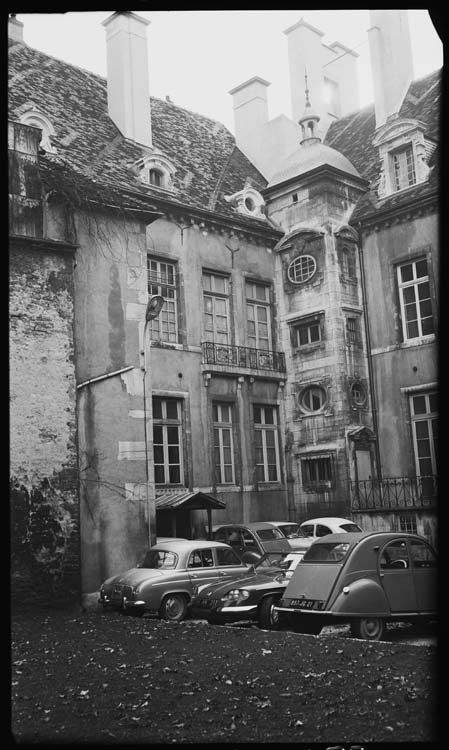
162, 583
292, 532
250, 595
364, 578
251, 540
318, 527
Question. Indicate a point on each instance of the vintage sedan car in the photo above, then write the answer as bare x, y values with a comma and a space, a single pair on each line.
318, 527
249, 596
364, 578
162, 583
292, 532
251, 540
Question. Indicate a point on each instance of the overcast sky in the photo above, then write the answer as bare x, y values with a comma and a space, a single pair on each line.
196, 57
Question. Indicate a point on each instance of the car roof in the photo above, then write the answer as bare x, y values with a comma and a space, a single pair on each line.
283, 523
349, 537
188, 544
328, 519
254, 525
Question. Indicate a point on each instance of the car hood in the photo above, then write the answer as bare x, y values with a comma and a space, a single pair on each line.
311, 581
300, 542
245, 581
134, 576
276, 545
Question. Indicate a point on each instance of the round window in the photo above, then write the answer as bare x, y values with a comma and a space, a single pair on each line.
358, 394
301, 269
313, 398
249, 204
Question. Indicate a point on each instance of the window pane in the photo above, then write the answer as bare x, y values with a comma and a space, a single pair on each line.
158, 452
421, 268
172, 435
409, 294
257, 415
303, 336
157, 434
407, 272
427, 326
433, 402
159, 477
424, 290
419, 404
269, 415
412, 330
157, 408
174, 475
172, 408
422, 429
173, 454
315, 332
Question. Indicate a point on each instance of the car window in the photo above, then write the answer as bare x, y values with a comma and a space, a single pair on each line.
221, 535
200, 558
290, 530
159, 559
350, 527
395, 556
267, 535
327, 552
227, 556
249, 541
422, 555
322, 530
307, 530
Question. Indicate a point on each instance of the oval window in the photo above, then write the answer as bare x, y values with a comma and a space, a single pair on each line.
358, 394
313, 398
249, 204
301, 269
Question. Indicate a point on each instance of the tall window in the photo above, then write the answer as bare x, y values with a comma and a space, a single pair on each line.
258, 315
167, 441
266, 443
348, 264
423, 408
416, 303
162, 281
403, 173
352, 330
215, 300
223, 444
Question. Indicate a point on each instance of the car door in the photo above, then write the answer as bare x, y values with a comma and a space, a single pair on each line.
201, 567
228, 563
396, 576
424, 566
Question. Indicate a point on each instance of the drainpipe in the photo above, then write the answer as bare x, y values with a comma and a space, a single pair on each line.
370, 362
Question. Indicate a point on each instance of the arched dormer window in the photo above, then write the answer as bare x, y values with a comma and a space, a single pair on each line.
36, 118
155, 170
247, 201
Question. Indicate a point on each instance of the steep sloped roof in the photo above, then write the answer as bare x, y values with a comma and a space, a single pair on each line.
208, 163
353, 136
307, 158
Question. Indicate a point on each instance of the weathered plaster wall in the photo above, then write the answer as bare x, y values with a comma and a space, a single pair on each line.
43, 454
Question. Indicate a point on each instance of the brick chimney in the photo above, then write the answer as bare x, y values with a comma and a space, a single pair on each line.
127, 67
15, 28
391, 60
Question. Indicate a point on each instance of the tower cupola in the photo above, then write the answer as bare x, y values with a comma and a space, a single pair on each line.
309, 121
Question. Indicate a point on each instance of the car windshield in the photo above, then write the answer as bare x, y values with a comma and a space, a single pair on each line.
350, 527
267, 534
291, 530
326, 552
159, 559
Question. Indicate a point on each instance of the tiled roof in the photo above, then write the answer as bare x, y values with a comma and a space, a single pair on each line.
353, 136
208, 163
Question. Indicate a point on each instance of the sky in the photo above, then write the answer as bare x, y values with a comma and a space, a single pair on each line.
196, 57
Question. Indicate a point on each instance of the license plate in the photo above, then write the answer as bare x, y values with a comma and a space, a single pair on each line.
302, 603
209, 603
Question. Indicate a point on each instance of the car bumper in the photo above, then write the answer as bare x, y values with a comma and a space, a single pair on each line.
124, 603
225, 613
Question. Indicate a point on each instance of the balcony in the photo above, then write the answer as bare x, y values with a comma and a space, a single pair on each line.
396, 493
243, 358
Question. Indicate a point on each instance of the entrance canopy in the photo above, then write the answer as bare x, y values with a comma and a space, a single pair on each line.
188, 501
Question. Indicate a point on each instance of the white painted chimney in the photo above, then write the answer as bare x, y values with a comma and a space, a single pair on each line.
391, 60
250, 112
127, 67
15, 28
305, 52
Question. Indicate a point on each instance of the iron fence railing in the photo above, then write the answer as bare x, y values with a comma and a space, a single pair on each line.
242, 356
394, 493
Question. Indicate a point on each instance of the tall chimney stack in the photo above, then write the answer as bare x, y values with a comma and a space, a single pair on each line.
250, 112
15, 28
305, 53
391, 60
127, 67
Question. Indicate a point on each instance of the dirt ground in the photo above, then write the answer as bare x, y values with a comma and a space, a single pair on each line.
103, 677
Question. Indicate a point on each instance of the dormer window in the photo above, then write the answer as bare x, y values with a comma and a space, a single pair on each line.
36, 118
155, 177
155, 170
403, 167
247, 201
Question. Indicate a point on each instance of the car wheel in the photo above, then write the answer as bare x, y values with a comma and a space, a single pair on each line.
173, 608
268, 617
368, 628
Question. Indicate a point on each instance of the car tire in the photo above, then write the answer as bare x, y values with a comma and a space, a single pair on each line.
268, 619
368, 628
173, 608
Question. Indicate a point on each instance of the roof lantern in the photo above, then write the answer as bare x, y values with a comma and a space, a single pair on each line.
309, 121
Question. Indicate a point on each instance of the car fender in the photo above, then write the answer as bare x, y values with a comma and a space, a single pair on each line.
153, 593
364, 596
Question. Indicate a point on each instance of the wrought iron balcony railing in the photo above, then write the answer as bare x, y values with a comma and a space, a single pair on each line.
242, 356
394, 493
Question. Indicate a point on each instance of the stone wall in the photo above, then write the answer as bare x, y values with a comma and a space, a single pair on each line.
43, 454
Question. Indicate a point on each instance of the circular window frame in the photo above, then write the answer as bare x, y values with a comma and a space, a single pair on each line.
303, 257
305, 391
358, 402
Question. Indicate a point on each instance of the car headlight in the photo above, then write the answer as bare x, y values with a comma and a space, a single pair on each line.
235, 596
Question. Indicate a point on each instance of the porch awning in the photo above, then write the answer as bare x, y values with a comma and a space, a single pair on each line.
188, 501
